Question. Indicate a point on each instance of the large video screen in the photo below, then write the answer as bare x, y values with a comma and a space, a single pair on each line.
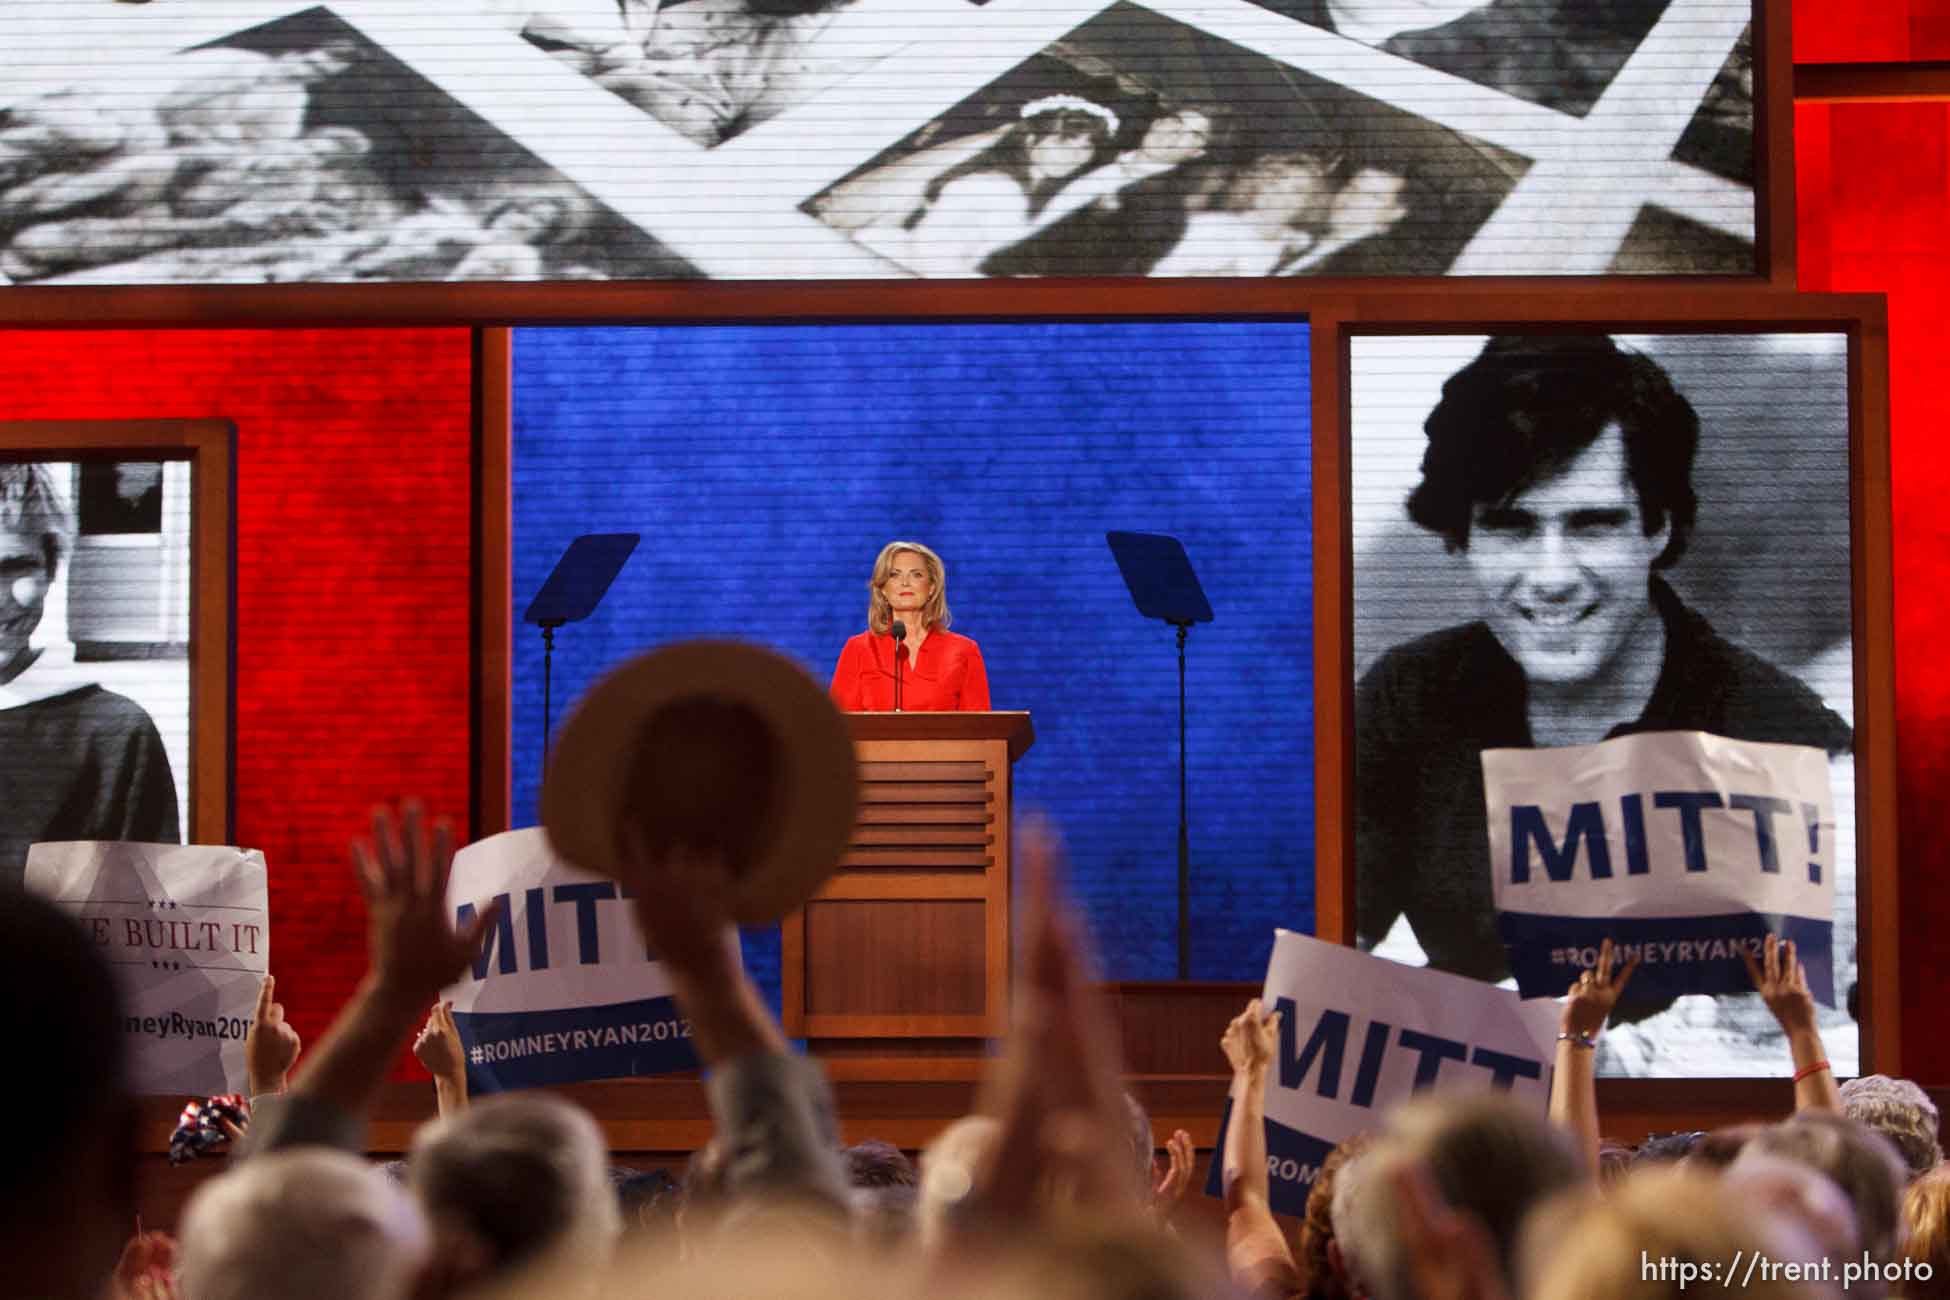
252, 141
1516, 585
94, 653
766, 466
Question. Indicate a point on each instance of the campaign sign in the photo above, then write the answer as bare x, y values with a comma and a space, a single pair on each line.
1359, 1033
1685, 849
187, 929
565, 988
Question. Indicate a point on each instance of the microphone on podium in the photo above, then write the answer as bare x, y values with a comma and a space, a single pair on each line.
899, 632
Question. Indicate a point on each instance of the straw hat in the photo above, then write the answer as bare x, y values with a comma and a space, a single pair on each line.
714, 745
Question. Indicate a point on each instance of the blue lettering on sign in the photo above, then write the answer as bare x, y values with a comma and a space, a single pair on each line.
1585, 834
1586, 826
500, 950
1326, 1045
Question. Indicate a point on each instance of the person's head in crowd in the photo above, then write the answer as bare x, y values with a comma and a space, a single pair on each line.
1926, 1235
303, 1224
1060, 136
1902, 1112
1322, 1263
513, 1182
885, 1187
1639, 1239
1799, 1193
1667, 1148
874, 1163
67, 1185
36, 531
1560, 466
1859, 1160
1486, 1155
1719, 1147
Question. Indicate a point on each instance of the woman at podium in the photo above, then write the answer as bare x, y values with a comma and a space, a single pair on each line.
938, 670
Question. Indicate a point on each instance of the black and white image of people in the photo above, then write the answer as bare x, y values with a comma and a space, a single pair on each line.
260, 141
710, 69
94, 655
1562, 538
293, 151
1138, 145
1562, 54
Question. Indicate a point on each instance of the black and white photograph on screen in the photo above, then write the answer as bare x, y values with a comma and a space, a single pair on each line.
1720, 138
1138, 145
296, 150
1562, 54
1698, 579
94, 653
713, 69
274, 141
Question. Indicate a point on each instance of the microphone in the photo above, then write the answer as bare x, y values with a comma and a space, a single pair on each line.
899, 632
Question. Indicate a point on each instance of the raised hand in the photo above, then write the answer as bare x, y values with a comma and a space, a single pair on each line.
271, 1045
1250, 1041
1782, 982
1594, 993
413, 948
1171, 1188
438, 1045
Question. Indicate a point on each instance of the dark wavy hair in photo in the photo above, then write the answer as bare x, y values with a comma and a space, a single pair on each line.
1528, 405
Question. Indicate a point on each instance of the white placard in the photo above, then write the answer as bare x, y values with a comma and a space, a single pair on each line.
187, 929
1684, 848
565, 988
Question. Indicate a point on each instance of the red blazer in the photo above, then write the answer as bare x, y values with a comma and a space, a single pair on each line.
947, 675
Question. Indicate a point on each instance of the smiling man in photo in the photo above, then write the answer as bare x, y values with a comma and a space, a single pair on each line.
1560, 469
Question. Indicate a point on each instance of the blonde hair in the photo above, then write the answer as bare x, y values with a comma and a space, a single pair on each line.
880, 616
1926, 1220
1584, 1245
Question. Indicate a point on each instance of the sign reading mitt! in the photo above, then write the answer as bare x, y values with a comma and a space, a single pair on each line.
565, 988
186, 928
1683, 848
1359, 1033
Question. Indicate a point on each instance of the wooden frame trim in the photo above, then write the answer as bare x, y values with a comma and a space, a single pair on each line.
210, 447
491, 783
1775, 248
1846, 83
1863, 318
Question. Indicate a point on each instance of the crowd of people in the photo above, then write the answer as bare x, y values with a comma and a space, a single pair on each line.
1055, 1186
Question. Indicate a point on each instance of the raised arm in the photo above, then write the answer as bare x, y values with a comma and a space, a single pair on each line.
1574, 1085
413, 952
1256, 1249
439, 1049
772, 1109
1782, 982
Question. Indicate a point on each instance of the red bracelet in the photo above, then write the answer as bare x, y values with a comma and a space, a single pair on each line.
1805, 1071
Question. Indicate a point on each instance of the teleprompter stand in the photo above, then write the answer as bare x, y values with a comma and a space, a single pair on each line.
1159, 575
571, 593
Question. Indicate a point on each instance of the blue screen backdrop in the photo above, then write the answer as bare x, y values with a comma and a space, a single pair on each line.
765, 466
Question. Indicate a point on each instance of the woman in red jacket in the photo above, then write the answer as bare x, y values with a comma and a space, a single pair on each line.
939, 671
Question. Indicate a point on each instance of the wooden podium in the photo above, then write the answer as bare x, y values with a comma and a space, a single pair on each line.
899, 966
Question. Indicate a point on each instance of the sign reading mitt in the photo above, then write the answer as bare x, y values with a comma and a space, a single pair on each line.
186, 928
564, 988
1360, 1033
1683, 848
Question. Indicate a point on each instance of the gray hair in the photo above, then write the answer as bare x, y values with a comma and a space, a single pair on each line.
526, 1176
306, 1224
1902, 1112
